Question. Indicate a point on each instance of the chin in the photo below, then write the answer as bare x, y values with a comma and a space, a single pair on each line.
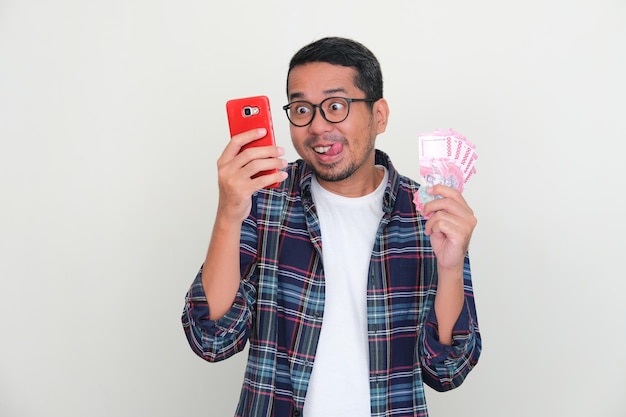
333, 174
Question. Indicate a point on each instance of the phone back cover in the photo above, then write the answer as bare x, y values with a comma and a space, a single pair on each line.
260, 116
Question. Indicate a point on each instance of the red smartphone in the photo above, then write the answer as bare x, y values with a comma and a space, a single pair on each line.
250, 113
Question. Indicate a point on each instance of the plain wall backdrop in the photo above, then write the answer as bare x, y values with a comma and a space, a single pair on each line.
112, 117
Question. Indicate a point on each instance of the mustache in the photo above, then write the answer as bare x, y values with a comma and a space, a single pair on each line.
326, 139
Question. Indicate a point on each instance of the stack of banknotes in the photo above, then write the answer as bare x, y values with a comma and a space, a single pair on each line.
446, 157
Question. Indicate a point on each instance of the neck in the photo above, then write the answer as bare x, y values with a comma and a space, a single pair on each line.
355, 186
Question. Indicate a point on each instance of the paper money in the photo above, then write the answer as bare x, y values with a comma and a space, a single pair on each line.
445, 157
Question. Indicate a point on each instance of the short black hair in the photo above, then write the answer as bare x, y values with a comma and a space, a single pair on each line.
347, 53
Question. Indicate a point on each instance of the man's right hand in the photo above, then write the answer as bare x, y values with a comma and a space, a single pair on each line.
235, 169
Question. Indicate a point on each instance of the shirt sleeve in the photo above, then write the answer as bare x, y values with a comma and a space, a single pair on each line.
215, 340
446, 366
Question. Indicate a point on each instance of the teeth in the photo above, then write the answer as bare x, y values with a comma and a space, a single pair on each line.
322, 149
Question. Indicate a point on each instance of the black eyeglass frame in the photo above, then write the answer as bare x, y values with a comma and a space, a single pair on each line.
319, 106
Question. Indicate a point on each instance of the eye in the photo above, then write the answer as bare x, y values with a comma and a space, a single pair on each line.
301, 109
336, 106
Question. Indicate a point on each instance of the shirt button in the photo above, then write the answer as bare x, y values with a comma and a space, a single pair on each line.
297, 413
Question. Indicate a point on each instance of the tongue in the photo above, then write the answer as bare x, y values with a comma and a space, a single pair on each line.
335, 149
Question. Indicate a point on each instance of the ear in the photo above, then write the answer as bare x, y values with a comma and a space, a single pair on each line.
381, 115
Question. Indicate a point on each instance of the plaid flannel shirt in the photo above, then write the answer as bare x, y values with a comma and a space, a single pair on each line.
279, 307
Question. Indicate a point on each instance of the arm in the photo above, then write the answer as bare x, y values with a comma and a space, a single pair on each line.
448, 302
215, 340
452, 341
446, 365
217, 314
450, 225
221, 273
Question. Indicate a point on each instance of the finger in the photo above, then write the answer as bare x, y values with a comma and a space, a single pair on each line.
238, 141
456, 228
442, 222
263, 181
240, 159
450, 200
260, 152
446, 192
446, 204
257, 166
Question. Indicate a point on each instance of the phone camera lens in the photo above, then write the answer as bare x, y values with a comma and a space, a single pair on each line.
250, 111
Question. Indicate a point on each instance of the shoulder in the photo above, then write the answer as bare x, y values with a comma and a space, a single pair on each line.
287, 193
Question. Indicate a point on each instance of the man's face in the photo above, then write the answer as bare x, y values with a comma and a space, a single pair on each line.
336, 151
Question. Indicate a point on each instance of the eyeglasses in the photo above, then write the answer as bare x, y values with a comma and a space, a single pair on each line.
333, 109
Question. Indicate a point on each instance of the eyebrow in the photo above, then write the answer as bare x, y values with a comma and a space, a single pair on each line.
329, 92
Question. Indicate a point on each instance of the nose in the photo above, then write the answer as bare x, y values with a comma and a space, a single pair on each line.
319, 124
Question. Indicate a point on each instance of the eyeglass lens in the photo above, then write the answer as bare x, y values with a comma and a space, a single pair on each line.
333, 109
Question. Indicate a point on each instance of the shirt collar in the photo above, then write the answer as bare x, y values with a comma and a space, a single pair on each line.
381, 158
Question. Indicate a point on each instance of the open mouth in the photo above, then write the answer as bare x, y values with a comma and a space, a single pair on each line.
322, 149
329, 150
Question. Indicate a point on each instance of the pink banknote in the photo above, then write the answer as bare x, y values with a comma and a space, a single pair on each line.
446, 157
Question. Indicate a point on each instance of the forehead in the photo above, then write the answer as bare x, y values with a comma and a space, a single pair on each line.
320, 79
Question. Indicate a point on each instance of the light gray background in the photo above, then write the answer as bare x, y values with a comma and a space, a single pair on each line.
111, 120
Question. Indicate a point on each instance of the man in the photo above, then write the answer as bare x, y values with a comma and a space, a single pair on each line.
350, 299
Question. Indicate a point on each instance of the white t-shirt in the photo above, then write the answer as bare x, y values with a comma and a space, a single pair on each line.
339, 384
